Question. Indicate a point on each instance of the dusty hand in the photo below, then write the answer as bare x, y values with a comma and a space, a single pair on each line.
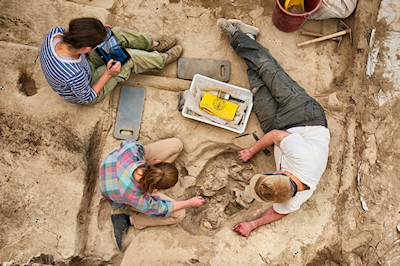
243, 228
196, 201
245, 155
113, 67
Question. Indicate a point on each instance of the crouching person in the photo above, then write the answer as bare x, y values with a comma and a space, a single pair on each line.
130, 178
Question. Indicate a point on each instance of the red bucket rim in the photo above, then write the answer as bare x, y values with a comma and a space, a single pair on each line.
298, 15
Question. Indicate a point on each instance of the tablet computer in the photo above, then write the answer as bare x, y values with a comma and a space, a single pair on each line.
112, 48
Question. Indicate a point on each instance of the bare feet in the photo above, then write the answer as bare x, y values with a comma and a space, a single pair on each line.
245, 155
244, 228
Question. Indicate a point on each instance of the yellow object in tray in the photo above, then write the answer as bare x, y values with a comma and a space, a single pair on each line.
218, 107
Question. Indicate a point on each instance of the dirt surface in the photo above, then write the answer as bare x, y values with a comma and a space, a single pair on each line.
50, 150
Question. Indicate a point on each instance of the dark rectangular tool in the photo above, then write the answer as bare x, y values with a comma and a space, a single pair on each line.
130, 110
216, 69
265, 150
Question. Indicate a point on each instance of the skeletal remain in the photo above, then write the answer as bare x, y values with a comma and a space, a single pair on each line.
215, 180
246, 196
207, 224
247, 174
243, 184
238, 198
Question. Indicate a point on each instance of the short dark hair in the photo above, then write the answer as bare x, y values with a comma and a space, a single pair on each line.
85, 32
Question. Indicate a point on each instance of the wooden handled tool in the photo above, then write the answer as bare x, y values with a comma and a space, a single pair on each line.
313, 34
337, 34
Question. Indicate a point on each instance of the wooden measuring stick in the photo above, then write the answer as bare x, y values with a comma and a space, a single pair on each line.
337, 34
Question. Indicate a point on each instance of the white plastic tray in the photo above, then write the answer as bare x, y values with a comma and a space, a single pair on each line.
242, 94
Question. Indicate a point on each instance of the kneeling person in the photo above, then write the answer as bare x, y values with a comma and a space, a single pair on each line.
130, 178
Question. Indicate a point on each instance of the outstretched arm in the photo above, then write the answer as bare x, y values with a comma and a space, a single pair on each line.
272, 137
193, 202
245, 228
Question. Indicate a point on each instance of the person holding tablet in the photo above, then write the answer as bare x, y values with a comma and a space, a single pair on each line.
77, 73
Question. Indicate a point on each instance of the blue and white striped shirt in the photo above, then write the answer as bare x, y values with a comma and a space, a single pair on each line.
69, 77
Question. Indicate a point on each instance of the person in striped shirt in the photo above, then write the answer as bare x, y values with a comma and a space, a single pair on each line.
77, 73
130, 177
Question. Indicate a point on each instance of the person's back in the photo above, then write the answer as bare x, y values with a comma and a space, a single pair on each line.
67, 76
304, 153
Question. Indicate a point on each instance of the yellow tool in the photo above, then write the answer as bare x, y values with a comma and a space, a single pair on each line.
218, 107
289, 3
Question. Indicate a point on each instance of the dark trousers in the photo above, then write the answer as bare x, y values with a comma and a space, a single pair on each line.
279, 101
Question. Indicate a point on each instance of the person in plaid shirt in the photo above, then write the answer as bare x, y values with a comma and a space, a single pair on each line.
130, 177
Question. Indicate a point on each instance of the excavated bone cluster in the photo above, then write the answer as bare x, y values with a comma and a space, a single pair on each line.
224, 183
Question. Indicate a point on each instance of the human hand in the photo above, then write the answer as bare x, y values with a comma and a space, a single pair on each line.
245, 155
113, 67
196, 201
243, 228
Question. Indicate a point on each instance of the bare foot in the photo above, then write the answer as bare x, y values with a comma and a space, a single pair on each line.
245, 155
244, 228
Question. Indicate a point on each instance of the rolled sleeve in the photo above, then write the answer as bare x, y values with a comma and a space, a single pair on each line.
155, 206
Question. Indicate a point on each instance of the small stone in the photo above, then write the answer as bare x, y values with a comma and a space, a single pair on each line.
398, 226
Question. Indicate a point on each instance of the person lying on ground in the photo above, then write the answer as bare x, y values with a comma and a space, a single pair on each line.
334, 9
77, 73
292, 121
130, 178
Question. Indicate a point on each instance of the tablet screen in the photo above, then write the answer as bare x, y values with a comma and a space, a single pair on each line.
111, 48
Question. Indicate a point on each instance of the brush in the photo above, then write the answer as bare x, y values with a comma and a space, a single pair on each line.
224, 95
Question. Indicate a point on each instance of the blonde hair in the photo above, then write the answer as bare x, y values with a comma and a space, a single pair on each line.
159, 176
